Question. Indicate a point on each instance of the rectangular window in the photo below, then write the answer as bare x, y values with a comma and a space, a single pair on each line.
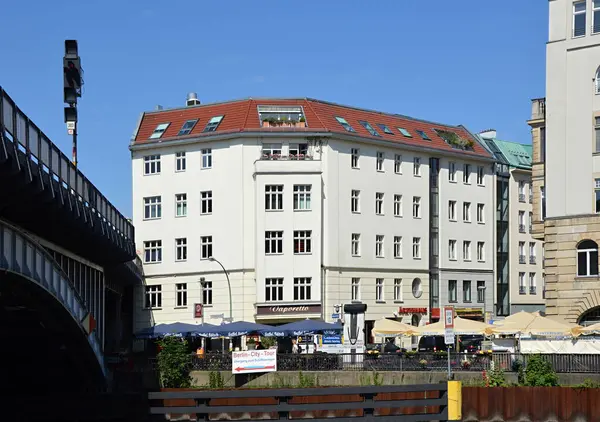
530, 221
379, 290
153, 297
379, 246
417, 166
271, 151
480, 176
452, 250
207, 158
579, 18
181, 249
417, 247
596, 194
355, 201
379, 163
302, 242
532, 284
187, 127
480, 214
206, 202
404, 132
302, 288
521, 252
398, 290
385, 128
466, 291
467, 212
532, 253
181, 295
542, 144
355, 244
207, 293
355, 292
452, 210
354, 158
521, 191
481, 291
213, 124
467, 250
379, 203
543, 203
180, 204
521, 221
467, 174
273, 242
273, 289
298, 151
180, 161
369, 128
151, 164
452, 291
397, 246
423, 135
397, 205
159, 130
452, 172
416, 207
345, 124
596, 16
522, 283
302, 197
480, 251
152, 208
153, 251
206, 247
397, 163
274, 197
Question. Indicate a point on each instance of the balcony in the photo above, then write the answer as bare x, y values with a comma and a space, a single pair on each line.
522, 259
522, 290
521, 228
291, 157
521, 197
532, 260
532, 290
538, 108
283, 123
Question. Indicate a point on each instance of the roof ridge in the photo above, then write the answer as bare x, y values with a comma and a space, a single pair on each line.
309, 102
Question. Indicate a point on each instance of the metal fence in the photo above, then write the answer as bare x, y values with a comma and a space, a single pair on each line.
407, 361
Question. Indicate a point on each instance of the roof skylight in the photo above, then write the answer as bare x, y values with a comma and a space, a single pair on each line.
187, 127
213, 124
385, 128
423, 135
369, 128
160, 129
404, 132
345, 124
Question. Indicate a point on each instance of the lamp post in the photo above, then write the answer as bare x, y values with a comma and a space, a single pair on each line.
483, 288
229, 287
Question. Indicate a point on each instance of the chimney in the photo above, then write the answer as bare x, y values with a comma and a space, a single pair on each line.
158, 107
488, 133
192, 99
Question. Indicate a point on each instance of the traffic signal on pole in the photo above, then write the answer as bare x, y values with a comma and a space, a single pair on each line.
70, 114
73, 79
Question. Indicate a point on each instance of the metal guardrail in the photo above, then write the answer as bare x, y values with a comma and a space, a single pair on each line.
404, 361
382, 403
31, 141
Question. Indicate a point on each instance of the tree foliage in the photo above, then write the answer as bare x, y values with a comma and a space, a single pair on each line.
174, 363
539, 373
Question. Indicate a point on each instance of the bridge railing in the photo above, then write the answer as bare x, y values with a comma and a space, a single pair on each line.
382, 403
31, 141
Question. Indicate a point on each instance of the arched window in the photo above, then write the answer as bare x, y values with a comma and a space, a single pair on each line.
597, 82
587, 258
590, 317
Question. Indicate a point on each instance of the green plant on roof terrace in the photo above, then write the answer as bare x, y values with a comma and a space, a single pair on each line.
453, 139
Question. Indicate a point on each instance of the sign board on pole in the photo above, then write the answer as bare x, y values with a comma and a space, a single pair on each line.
253, 361
198, 310
449, 325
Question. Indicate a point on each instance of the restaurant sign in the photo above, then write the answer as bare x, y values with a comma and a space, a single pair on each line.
405, 311
288, 309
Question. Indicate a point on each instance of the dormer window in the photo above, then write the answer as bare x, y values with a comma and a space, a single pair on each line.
160, 129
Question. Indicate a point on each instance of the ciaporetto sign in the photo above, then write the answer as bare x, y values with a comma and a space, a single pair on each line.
288, 309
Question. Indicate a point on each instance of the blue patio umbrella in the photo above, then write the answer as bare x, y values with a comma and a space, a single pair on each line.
307, 326
179, 329
235, 329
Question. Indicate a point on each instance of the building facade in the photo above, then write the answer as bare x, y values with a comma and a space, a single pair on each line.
570, 160
309, 205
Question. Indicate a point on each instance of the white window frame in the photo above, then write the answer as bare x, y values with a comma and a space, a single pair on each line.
575, 14
417, 166
180, 162
355, 289
180, 204
452, 249
398, 163
480, 176
398, 296
481, 213
597, 91
355, 201
274, 286
355, 244
153, 297
273, 242
416, 248
532, 284
302, 288
379, 163
206, 202
302, 197
467, 174
206, 247
467, 293
480, 251
452, 292
152, 164
379, 246
522, 286
596, 194
452, 172
532, 253
207, 293
466, 212
355, 158
467, 250
398, 247
452, 210
595, 25
379, 290
379, 206
273, 198
397, 205
181, 249
416, 207
206, 158
302, 240
153, 205
152, 251
588, 253
181, 295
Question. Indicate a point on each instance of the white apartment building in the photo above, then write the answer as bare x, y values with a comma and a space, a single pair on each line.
307, 205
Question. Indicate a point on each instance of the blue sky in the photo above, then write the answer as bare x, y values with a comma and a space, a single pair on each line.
470, 62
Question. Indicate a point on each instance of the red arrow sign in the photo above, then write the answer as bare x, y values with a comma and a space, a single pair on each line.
239, 368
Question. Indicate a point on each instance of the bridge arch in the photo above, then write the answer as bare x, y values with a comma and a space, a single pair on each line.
23, 257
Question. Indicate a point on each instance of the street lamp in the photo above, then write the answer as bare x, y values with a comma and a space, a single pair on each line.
482, 288
228, 285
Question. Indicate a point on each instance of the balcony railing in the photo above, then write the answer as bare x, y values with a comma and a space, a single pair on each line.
532, 290
532, 260
291, 157
522, 290
522, 259
521, 197
521, 228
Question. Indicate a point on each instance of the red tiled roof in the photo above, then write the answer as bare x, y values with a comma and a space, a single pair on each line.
242, 115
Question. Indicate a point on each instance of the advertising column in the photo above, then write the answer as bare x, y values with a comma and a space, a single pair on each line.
354, 331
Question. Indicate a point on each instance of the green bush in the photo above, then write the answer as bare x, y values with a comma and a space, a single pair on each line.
496, 378
539, 373
174, 363
215, 380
